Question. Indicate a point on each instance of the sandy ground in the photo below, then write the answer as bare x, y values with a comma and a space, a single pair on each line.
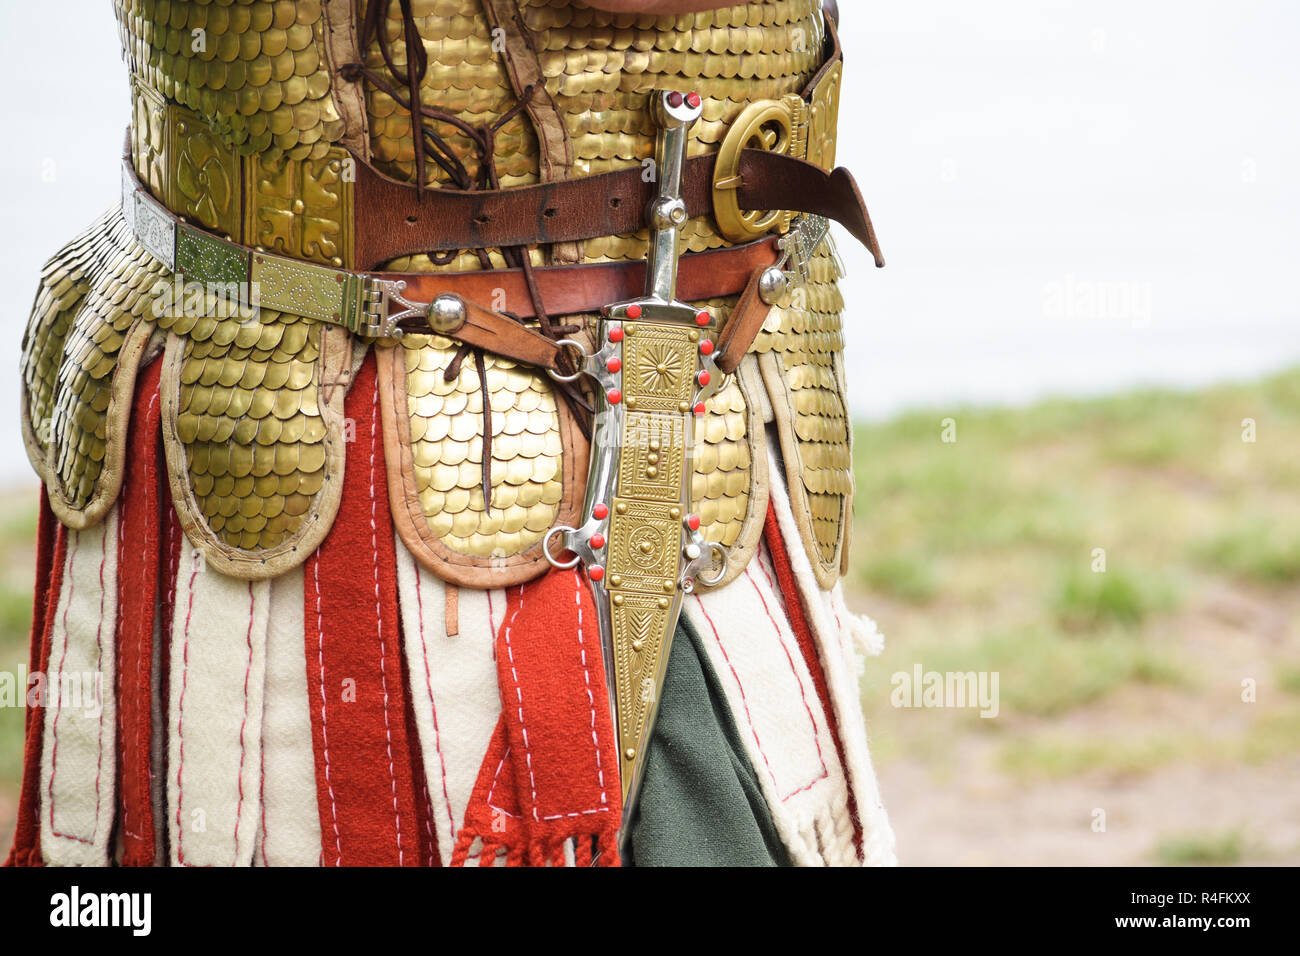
981, 818
952, 804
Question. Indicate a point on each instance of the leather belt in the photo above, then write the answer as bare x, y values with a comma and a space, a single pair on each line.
391, 221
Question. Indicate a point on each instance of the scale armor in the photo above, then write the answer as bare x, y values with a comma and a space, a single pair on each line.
234, 127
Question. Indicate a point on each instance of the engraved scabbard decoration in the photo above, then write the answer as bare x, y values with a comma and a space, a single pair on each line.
641, 547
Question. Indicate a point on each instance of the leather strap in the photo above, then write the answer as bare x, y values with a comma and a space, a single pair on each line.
738, 332
349, 99
570, 290
393, 222
525, 69
499, 334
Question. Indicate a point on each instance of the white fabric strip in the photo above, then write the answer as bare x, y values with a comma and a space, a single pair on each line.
834, 637
288, 831
453, 687
78, 759
778, 714
214, 758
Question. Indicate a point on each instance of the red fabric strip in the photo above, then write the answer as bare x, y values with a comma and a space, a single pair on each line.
365, 785
803, 633
556, 711
140, 544
51, 553
551, 770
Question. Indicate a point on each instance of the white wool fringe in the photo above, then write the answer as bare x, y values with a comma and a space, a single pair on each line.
778, 714
835, 646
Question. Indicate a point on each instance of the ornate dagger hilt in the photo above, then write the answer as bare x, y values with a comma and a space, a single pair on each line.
641, 547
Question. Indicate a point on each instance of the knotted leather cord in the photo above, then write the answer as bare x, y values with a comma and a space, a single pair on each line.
440, 151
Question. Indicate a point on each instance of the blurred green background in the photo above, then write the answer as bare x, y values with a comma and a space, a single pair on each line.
1121, 691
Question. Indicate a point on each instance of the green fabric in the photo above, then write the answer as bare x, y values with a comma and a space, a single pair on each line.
700, 803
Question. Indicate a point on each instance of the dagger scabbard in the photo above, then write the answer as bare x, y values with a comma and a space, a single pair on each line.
640, 546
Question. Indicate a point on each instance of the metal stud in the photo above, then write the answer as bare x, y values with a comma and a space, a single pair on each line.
447, 313
772, 285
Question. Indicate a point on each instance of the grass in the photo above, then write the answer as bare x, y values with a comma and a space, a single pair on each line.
1053, 755
1205, 849
1040, 672
980, 554
1260, 551
1287, 675
1088, 600
17, 545
901, 577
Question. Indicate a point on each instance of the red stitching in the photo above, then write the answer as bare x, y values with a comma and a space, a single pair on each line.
428, 683
519, 695
803, 693
180, 718
243, 750
744, 700
261, 784
379, 619
58, 707
428, 824
121, 698
324, 729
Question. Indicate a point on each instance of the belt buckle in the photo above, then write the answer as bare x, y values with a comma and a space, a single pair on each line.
778, 126
377, 317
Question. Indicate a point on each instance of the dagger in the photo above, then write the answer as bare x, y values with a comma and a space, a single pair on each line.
640, 546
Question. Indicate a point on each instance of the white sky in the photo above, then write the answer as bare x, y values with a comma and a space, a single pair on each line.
1014, 149
1020, 159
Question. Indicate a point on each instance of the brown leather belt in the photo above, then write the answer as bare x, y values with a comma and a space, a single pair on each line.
392, 220
568, 290
587, 287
